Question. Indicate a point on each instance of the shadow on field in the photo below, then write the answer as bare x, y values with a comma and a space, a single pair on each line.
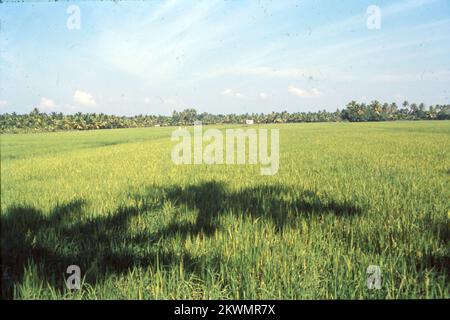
437, 262
100, 246
103, 245
277, 203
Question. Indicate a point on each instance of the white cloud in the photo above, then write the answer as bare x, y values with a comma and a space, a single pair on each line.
305, 93
262, 72
440, 76
175, 30
263, 95
231, 93
315, 92
268, 71
3, 103
84, 98
401, 7
294, 74
147, 100
297, 91
46, 103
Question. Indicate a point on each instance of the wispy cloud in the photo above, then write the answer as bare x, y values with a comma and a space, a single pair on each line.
305, 93
441, 76
156, 56
263, 71
46, 103
404, 6
84, 98
231, 93
263, 95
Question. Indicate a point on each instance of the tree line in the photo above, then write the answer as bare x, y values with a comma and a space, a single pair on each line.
353, 112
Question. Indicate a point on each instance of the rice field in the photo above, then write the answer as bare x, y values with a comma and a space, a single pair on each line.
346, 196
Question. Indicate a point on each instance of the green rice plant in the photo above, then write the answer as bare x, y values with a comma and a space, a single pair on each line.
346, 196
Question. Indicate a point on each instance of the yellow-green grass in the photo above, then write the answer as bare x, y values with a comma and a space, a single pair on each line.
347, 195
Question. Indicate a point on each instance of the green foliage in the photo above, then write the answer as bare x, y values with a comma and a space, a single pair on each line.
38, 121
347, 196
375, 111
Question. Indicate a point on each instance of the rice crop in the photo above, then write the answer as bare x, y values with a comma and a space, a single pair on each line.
346, 196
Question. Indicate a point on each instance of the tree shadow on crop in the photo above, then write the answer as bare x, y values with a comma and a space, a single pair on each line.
277, 203
100, 246
437, 262
103, 245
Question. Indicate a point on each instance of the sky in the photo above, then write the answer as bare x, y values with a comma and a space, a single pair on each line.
235, 56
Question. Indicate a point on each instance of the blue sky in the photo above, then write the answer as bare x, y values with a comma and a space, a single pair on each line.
131, 57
